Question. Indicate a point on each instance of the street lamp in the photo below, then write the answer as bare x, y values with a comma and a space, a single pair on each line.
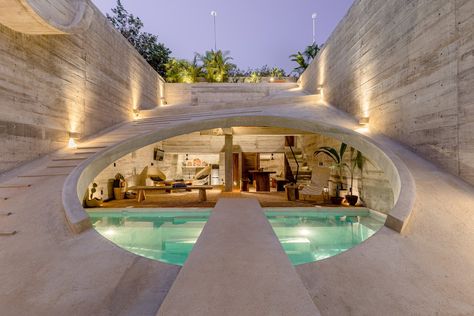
214, 14
314, 16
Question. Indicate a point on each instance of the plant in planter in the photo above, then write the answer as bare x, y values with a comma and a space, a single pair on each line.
337, 166
119, 183
357, 161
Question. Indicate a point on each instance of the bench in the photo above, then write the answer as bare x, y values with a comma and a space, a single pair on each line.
141, 190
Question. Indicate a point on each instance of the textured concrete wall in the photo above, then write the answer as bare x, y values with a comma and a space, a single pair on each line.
220, 93
409, 65
55, 84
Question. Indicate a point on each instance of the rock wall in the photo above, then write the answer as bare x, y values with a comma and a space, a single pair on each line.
55, 85
409, 66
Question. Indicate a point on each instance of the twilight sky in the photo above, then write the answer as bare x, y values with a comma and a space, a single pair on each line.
256, 32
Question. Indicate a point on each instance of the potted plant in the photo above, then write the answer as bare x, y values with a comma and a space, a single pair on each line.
356, 162
119, 183
337, 167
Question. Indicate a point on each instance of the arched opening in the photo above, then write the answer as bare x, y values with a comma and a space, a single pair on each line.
397, 178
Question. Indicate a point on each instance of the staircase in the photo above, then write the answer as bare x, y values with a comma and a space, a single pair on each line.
299, 158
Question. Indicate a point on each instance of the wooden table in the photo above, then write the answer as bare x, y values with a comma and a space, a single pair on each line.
262, 180
141, 190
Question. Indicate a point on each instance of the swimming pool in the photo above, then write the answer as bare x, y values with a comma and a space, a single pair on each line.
306, 235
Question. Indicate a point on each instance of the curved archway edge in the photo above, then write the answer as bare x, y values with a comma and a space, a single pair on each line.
396, 171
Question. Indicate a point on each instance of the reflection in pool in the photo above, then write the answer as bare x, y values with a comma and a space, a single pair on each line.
169, 235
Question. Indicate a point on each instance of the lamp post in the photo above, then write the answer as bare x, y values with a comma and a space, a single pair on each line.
214, 14
314, 16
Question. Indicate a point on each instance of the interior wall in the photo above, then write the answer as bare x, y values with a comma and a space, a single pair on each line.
409, 66
54, 85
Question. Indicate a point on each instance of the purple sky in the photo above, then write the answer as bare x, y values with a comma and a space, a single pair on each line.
256, 32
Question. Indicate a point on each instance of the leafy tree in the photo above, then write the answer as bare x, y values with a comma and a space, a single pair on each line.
277, 73
311, 52
176, 70
182, 71
155, 53
263, 71
300, 59
216, 65
253, 78
304, 59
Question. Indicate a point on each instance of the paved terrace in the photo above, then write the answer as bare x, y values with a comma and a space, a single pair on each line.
46, 269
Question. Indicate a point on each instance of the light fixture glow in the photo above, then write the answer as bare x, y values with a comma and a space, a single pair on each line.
304, 232
136, 113
72, 143
363, 130
109, 232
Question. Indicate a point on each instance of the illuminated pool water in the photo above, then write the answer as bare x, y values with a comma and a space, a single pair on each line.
169, 236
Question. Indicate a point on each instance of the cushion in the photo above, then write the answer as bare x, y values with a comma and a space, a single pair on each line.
203, 173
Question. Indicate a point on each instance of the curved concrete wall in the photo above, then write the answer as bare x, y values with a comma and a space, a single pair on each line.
54, 85
409, 66
398, 175
46, 17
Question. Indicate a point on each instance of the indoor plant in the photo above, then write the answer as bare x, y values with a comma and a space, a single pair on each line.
337, 166
119, 183
356, 162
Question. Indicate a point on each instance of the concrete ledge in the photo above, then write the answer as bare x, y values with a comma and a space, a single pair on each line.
45, 18
397, 173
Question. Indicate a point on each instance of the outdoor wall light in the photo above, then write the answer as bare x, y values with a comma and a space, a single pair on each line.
136, 113
71, 144
364, 121
72, 140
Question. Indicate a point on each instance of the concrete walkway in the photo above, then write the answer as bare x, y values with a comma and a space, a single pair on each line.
238, 267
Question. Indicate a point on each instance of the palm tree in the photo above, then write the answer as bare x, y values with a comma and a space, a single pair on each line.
216, 65
194, 71
301, 61
304, 59
357, 161
311, 52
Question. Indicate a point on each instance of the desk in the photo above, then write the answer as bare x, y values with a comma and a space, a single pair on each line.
262, 180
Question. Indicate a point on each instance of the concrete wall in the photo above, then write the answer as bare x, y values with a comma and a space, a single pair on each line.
220, 93
51, 85
409, 66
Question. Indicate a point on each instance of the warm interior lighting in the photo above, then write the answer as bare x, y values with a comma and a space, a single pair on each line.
363, 130
71, 143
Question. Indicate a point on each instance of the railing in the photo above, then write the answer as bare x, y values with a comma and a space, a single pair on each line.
297, 165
